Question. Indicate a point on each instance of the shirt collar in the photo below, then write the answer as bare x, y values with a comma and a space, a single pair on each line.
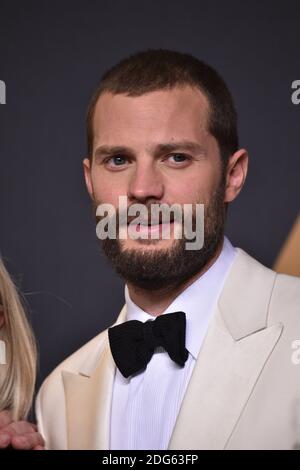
197, 300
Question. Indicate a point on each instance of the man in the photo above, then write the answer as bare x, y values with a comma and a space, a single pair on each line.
162, 130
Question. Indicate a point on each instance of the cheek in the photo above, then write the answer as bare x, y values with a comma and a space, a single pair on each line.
107, 189
197, 187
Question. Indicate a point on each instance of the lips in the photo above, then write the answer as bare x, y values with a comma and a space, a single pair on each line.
153, 229
148, 223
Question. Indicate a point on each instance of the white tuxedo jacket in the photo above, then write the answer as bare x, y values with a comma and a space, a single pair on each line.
244, 392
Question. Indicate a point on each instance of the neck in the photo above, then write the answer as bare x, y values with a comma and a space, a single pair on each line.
156, 302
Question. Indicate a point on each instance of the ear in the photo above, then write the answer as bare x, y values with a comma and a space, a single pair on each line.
87, 176
1, 316
237, 168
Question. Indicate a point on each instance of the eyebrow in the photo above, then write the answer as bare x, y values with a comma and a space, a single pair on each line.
106, 150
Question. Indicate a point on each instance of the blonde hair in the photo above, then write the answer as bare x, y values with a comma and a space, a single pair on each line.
17, 376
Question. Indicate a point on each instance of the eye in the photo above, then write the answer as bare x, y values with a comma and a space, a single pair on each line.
116, 160
178, 158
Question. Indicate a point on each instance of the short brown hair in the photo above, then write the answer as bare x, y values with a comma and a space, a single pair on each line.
158, 69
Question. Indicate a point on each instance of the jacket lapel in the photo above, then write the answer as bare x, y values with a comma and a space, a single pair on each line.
234, 352
88, 398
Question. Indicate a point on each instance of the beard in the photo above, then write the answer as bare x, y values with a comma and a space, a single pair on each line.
162, 268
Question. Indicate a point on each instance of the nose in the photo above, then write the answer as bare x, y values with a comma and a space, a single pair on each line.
146, 183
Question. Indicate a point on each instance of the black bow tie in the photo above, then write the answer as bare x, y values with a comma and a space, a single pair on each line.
132, 343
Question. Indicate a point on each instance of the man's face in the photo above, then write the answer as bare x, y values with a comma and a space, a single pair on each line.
156, 148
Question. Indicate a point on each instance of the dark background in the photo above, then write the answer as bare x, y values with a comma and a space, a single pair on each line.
52, 55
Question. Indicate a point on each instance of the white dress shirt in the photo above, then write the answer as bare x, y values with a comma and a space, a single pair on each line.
145, 406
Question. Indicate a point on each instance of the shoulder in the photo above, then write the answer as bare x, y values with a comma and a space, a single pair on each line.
50, 404
285, 301
283, 290
82, 361
87, 354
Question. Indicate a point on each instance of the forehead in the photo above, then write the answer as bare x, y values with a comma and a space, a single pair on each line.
179, 113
